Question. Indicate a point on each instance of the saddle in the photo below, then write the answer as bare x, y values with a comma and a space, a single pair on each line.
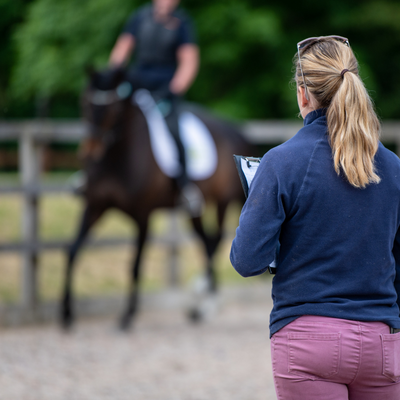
200, 149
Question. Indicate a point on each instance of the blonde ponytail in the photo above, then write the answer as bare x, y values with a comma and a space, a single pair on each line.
331, 73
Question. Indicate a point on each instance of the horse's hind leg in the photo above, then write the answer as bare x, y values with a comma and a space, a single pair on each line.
211, 242
89, 218
207, 286
133, 297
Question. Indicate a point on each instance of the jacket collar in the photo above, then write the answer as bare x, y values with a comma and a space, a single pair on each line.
313, 115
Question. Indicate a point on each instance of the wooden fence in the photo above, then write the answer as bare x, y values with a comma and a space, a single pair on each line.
33, 135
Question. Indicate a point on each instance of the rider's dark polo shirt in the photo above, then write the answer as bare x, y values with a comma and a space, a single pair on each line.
156, 43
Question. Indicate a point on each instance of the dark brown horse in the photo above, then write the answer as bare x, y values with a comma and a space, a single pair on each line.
123, 174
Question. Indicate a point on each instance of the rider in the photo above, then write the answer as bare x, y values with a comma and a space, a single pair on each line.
166, 63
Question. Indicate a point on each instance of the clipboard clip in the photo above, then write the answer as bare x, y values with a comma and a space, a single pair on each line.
251, 159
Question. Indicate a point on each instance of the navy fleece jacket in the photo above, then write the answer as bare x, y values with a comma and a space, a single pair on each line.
339, 245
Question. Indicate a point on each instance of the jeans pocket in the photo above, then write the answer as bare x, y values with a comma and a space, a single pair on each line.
391, 356
314, 355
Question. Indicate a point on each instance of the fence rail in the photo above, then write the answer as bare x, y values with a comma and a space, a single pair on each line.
104, 242
63, 131
34, 134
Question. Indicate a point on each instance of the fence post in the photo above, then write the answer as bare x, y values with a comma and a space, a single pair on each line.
29, 164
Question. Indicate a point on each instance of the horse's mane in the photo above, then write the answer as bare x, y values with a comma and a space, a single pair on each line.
107, 79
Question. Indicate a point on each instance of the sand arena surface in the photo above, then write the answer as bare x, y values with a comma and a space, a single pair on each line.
164, 357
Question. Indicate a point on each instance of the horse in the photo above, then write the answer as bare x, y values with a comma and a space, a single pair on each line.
121, 172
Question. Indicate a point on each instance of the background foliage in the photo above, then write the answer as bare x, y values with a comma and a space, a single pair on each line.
246, 51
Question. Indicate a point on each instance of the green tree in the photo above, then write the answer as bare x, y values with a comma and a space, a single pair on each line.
246, 49
11, 13
61, 38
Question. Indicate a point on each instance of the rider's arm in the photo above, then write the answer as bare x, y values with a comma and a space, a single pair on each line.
188, 66
125, 44
122, 50
187, 56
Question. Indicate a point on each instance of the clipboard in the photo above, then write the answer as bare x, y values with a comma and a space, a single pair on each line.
247, 168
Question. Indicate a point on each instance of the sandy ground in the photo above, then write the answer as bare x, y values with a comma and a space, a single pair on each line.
164, 357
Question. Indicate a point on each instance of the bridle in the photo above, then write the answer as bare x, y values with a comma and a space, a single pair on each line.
99, 97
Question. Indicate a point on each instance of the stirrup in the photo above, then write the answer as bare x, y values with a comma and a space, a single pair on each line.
77, 183
192, 199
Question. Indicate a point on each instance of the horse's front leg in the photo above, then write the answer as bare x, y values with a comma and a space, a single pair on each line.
133, 296
89, 217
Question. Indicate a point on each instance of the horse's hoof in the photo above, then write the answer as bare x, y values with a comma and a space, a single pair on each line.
195, 315
66, 322
125, 323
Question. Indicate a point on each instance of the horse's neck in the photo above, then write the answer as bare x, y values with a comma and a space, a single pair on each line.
136, 133
131, 146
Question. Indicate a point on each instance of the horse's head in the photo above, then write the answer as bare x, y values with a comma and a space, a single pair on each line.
103, 103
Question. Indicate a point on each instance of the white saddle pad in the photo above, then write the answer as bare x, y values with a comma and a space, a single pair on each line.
200, 150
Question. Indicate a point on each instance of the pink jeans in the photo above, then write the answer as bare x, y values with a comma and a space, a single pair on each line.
320, 358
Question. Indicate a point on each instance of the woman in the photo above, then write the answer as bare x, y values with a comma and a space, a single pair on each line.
330, 197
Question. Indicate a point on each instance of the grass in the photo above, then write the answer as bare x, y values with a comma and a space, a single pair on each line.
103, 271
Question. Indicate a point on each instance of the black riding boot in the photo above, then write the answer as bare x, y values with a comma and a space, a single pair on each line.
192, 198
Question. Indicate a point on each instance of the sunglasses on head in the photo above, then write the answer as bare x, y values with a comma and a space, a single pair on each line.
306, 43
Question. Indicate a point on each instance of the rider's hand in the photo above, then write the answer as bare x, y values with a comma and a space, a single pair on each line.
178, 86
